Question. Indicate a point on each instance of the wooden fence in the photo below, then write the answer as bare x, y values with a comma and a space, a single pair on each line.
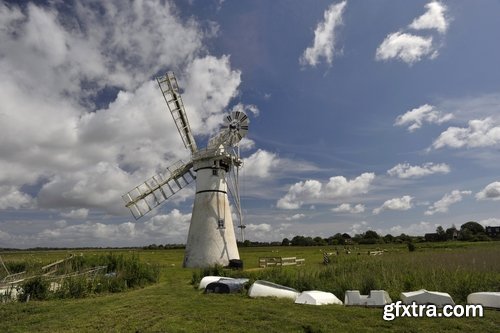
279, 261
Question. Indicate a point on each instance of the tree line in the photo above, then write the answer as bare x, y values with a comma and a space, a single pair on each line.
470, 231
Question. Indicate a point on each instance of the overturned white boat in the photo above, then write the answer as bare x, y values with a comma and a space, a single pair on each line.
423, 296
261, 288
209, 279
488, 299
226, 286
315, 297
376, 298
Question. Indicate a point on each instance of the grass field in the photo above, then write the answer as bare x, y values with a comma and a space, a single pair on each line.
174, 305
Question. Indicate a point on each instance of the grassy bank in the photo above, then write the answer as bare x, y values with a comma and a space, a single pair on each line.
173, 305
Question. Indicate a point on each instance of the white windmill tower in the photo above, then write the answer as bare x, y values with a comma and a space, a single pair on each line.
211, 238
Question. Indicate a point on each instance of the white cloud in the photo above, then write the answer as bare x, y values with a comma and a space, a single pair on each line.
442, 205
12, 197
492, 221
173, 225
246, 144
406, 47
263, 227
247, 108
433, 18
263, 164
295, 217
479, 133
209, 87
405, 170
403, 203
324, 37
339, 186
170, 228
260, 164
414, 229
490, 192
347, 208
411, 48
81, 213
57, 62
424, 113
358, 228
313, 191
300, 192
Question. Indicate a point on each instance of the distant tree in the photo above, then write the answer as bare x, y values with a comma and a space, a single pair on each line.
285, 242
474, 227
441, 233
404, 238
319, 241
302, 241
465, 234
388, 238
346, 236
370, 234
451, 233
309, 241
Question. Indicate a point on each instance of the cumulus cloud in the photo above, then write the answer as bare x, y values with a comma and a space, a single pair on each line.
12, 197
490, 192
171, 228
300, 192
411, 48
347, 208
337, 187
358, 228
174, 225
442, 205
295, 217
260, 164
209, 87
62, 62
81, 213
424, 113
490, 221
263, 227
406, 47
433, 18
403, 203
263, 164
414, 229
405, 170
324, 37
479, 133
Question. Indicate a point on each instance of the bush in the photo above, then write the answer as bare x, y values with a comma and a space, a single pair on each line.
411, 247
36, 288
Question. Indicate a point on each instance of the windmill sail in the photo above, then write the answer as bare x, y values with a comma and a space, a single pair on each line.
143, 198
170, 91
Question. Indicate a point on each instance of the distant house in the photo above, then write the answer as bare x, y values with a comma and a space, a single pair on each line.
492, 232
431, 237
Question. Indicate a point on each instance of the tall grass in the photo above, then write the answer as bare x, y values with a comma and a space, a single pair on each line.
69, 280
456, 272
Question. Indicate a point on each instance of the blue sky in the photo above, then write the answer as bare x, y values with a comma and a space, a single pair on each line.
379, 115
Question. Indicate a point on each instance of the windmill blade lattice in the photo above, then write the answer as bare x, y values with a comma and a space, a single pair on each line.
170, 91
145, 197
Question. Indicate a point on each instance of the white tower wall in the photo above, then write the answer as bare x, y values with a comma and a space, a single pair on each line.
211, 238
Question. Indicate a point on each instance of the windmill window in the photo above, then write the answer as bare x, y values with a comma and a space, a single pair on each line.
220, 224
215, 172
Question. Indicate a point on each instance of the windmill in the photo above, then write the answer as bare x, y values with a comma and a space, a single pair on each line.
211, 238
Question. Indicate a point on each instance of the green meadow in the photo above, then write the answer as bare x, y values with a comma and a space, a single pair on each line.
175, 305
